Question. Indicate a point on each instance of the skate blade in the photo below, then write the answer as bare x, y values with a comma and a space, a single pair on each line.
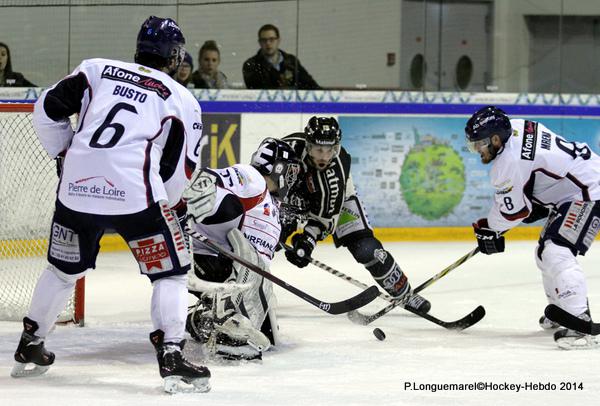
581, 343
20, 370
175, 384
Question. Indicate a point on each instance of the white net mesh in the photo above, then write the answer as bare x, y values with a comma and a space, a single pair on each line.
27, 192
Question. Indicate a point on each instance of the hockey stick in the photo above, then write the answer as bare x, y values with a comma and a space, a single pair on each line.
570, 321
362, 319
344, 306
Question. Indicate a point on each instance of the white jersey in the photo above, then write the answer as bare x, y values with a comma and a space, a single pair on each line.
538, 166
136, 140
242, 202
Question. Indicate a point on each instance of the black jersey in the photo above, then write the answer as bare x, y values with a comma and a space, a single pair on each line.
323, 192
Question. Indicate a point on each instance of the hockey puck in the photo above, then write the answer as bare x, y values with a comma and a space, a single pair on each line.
379, 334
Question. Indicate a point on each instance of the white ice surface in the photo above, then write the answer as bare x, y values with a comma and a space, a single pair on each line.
326, 360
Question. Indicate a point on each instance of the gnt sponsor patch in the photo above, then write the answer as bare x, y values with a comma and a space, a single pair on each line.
529, 141
152, 254
64, 244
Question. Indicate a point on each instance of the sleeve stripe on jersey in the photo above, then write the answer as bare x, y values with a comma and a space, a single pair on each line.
172, 149
147, 184
584, 189
64, 99
523, 213
250, 202
190, 167
230, 208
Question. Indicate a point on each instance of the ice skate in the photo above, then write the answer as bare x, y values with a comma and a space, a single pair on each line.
31, 350
417, 302
547, 324
175, 369
568, 339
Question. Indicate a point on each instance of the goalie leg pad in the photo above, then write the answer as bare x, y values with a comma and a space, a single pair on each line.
254, 302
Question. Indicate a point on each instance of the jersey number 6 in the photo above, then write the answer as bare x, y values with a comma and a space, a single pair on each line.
118, 128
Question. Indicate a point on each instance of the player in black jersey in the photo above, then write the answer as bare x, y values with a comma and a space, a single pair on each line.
327, 193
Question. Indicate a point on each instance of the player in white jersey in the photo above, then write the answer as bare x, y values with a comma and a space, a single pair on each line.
125, 167
238, 208
538, 174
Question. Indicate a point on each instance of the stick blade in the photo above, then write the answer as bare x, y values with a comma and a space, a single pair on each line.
363, 298
472, 318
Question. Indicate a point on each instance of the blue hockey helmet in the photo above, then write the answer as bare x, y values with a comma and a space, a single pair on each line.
485, 123
161, 37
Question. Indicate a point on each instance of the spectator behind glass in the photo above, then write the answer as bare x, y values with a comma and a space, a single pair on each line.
7, 76
272, 68
208, 75
183, 76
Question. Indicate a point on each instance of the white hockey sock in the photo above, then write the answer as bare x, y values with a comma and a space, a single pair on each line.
50, 296
563, 278
169, 306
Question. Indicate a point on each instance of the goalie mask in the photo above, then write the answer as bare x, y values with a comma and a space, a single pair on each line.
278, 161
323, 136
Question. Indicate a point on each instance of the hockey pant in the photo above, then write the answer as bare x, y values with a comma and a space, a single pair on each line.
569, 231
355, 233
155, 239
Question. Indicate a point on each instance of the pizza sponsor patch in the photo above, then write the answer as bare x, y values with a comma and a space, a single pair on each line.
152, 254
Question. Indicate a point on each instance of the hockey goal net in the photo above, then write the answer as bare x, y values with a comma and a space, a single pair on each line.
27, 193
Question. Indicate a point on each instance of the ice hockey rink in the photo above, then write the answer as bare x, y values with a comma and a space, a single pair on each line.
324, 359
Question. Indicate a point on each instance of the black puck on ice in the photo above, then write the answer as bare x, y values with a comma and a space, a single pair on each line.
379, 334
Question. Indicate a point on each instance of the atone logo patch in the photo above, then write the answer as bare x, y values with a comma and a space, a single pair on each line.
529, 141
144, 82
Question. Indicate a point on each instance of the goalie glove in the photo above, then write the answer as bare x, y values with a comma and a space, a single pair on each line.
488, 240
201, 195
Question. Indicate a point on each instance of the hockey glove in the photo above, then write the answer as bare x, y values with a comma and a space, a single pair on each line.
538, 212
201, 195
488, 240
303, 246
180, 210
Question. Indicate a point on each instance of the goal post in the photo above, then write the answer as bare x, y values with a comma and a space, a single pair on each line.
28, 185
